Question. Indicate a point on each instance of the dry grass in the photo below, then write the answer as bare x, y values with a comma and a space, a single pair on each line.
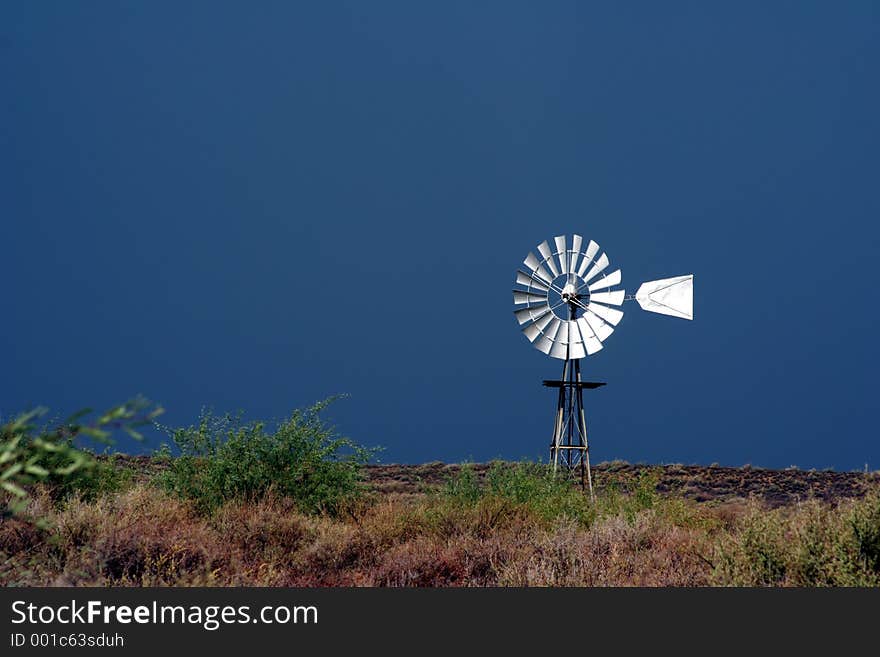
143, 537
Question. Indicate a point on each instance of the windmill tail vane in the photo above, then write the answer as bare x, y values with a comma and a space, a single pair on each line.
568, 306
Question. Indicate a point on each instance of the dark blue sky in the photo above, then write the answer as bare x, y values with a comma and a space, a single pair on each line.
256, 205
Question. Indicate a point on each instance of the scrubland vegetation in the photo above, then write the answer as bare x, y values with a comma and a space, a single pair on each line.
242, 504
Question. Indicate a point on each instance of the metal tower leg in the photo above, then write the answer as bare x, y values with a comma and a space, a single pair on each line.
559, 426
582, 427
569, 446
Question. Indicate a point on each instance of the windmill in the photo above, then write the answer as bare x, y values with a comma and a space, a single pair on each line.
567, 306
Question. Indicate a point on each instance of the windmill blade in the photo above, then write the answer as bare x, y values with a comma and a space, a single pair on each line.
543, 321
544, 250
527, 297
562, 333
559, 350
606, 281
545, 342
593, 345
610, 315
589, 254
577, 350
561, 253
530, 281
529, 314
533, 330
601, 263
576, 242
592, 250
537, 268
668, 296
600, 328
591, 341
560, 344
583, 328
614, 298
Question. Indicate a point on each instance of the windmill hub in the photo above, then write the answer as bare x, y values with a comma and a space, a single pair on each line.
568, 305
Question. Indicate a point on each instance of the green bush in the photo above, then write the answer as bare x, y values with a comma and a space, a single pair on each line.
613, 501
222, 459
811, 545
857, 550
532, 487
464, 486
49, 455
536, 489
761, 555
102, 476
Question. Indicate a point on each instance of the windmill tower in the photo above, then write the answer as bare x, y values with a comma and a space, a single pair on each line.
567, 306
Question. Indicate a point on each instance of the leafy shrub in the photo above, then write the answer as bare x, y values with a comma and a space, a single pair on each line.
811, 545
29, 455
759, 557
464, 486
864, 525
532, 487
537, 490
547, 494
612, 501
103, 476
222, 459
645, 494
